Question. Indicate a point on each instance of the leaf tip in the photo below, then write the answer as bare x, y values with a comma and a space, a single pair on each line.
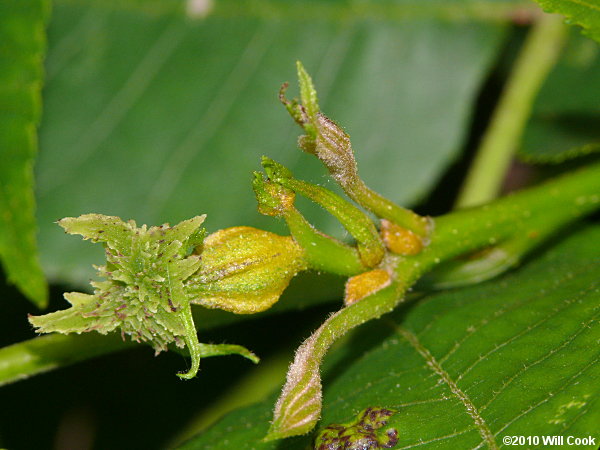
279, 430
274, 170
308, 93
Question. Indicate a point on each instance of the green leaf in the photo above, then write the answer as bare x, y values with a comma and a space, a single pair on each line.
584, 13
308, 96
566, 113
22, 48
463, 368
156, 116
207, 350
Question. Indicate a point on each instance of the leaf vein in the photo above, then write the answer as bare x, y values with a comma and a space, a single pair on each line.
209, 123
435, 366
550, 395
538, 361
499, 313
441, 438
118, 106
522, 333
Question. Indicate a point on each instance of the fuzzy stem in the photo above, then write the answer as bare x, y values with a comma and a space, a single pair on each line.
299, 406
382, 207
536, 59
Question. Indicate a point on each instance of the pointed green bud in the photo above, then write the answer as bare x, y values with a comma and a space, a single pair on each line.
245, 270
305, 113
308, 95
143, 294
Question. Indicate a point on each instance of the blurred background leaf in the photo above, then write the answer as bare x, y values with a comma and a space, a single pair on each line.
155, 115
513, 356
22, 47
566, 117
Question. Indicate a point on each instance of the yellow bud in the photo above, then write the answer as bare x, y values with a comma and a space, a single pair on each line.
365, 284
399, 239
245, 270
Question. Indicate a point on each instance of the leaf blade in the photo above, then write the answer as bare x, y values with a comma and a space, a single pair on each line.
22, 33
466, 367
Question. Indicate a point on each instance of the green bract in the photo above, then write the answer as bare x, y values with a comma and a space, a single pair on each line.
144, 292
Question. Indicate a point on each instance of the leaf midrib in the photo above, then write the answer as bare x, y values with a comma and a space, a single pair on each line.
470, 408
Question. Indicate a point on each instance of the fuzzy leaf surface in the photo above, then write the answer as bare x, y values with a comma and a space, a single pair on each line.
464, 368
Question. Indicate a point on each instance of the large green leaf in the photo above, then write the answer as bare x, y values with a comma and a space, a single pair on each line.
585, 13
22, 47
515, 356
158, 117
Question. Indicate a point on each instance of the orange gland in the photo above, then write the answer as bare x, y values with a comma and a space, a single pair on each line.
365, 284
399, 240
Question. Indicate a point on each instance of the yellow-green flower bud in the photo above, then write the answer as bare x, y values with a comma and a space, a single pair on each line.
245, 270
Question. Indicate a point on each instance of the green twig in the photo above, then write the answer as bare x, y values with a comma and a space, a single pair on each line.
385, 208
25, 359
500, 141
42, 354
